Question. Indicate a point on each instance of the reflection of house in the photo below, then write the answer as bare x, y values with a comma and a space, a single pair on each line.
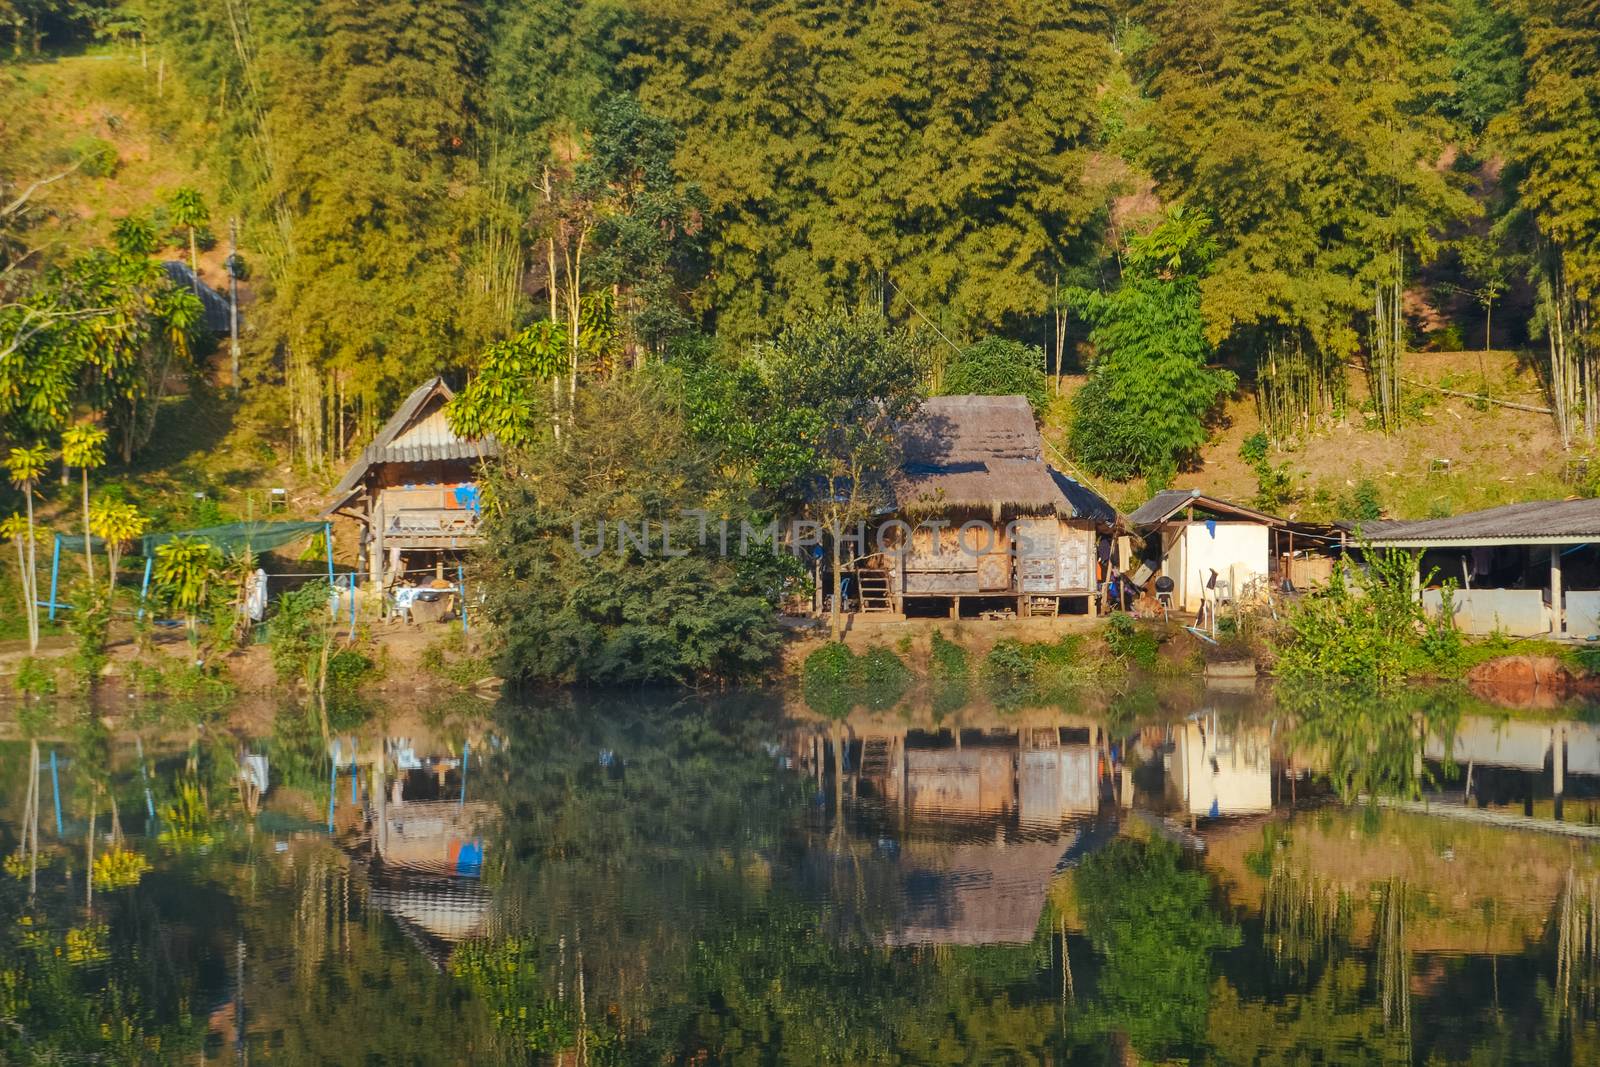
1523, 569
1510, 743
1213, 772
429, 853
988, 518
414, 490
975, 894
1042, 774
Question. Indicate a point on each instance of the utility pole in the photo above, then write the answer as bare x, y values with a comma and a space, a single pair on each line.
233, 302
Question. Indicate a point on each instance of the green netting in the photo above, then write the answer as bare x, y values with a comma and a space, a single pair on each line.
257, 536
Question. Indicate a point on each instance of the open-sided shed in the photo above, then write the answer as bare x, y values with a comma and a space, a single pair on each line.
1521, 569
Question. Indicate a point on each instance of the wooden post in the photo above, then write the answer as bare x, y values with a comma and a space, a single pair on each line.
375, 550
1558, 614
1558, 765
955, 607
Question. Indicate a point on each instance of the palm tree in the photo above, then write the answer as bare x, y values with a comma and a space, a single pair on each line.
84, 446
189, 211
26, 466
116, 524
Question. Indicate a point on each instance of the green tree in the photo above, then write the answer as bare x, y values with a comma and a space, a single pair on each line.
1150, 394
504, 396
648, 236
908, 153
1550, 136
26, 466
1485, 51
116, 523
186, 569
84, 446
997, 366
1309, 134
840, 384
188, 209
1151, 919
574, 598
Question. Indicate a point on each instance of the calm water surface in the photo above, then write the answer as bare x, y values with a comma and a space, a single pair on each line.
1138, 877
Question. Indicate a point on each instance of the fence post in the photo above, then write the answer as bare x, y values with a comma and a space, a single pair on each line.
352, 604
144, 590
55, 783
55, 575
333, 783
327, 539
461, 591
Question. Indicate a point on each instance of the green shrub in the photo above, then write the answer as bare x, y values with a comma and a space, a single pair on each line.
95, 156
997, 366
297, 632
1127, 642
947, 660
1363, 503
832, 664
1373, 634
35, 678
836, 679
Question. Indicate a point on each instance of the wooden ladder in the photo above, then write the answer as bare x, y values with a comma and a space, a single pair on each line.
874, 757
872, 591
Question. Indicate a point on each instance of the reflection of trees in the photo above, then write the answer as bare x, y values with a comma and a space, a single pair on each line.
1393, 961
1369, 744
1153, 922
1305, 918
1578, 945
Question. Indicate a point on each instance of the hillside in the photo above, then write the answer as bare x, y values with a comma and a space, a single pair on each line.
1453, 453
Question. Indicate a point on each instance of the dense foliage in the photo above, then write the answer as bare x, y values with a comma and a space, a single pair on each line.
1150, 393
1368, 628
996, 366
576, 598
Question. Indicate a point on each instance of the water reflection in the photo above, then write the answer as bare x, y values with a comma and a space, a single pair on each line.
1138, 876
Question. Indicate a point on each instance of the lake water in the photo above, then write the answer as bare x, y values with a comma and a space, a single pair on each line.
1139, 876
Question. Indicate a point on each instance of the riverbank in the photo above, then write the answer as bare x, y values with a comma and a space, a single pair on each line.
399, 659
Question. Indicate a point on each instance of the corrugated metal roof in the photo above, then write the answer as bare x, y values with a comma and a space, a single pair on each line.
417, 433
1534, 522
1169, 502
213, 303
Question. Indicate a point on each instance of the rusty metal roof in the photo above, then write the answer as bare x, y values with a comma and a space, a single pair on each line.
417, 433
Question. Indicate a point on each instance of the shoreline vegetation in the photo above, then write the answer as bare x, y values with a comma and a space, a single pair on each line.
660, 280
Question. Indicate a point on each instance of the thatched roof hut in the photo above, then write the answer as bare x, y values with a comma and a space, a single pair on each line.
985, 453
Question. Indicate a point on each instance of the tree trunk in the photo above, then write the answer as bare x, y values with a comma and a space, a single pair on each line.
88, 549
836, 621
31, 580
194, 261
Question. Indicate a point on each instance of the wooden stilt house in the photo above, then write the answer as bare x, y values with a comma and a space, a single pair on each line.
414, 491
990, 524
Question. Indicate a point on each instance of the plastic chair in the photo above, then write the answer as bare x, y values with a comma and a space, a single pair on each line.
1164, 587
